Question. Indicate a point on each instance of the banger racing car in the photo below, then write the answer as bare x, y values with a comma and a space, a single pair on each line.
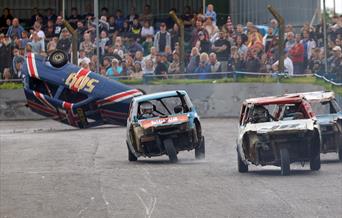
277, 131
73, 95
163, 123
329, 118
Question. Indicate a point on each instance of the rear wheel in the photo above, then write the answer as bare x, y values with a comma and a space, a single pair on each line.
284, 161
242, 166
340, 151
200, 150
170, 150
58, 58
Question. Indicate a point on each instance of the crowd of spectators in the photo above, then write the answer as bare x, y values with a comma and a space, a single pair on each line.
134, 45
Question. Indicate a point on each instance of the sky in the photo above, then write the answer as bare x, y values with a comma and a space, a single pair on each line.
330, 4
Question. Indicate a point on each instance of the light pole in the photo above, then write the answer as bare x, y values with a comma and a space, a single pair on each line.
96, 14
325, 38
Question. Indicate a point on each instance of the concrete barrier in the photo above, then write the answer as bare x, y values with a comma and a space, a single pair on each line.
211, 100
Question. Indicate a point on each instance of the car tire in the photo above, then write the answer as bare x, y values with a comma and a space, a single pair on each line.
242, 166
170, 150
131, 156
58, 58
200, 150
315, 160
340, 152
284, 162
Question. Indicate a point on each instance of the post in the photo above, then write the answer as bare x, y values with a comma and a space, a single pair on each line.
325, 38
203, 5
73, 41
180, 24
63, 9
281, 44
96, 14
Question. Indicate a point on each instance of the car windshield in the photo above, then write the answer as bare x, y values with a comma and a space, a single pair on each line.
327, 107
163, 107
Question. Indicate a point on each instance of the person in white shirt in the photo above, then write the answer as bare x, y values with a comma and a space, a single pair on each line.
288, 65
147, 29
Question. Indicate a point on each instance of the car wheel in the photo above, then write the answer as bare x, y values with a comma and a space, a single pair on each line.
340, 152
58, 58
200, 150
315, 160
242, 166
284, 161
131, 156
170, 150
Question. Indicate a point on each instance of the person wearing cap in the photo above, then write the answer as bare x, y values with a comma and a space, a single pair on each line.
335, 61
82, 57
162, 38
64, 43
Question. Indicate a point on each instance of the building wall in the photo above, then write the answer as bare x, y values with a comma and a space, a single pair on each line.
295, 12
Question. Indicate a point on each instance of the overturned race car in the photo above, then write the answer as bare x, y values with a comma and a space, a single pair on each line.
72, 95
278, 131
163, 123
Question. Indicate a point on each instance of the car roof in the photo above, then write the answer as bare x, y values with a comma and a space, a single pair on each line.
158, 95
318, 96
274, 100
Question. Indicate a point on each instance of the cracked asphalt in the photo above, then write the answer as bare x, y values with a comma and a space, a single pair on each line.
52, 170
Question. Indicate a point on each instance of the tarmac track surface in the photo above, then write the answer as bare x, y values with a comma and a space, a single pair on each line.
51, 170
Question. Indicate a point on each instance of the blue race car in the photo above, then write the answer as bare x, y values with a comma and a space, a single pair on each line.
72, 95
163, 123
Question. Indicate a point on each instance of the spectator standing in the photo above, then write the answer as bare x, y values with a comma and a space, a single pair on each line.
135, 28
198, 28
87, 45
6, 15
5, 52
24, 39
211, 13
315, 64
146, 15
15, 29
103, 43
309, 44
242, 48
49, 16
275, 27
204, 43
335, 62
296, 54
147, 29
112, 27
267, 39
221, 47
49, 30
211, 28
162, 38
132, 15
288, 65
74, 17
240, 32
162, 67
119, 19
59, 26
64, 43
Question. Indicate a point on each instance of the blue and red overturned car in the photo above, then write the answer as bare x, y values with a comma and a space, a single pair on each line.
72, 95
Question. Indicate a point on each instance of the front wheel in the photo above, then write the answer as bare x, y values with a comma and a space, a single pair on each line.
170, 150
340, 153
284, 161
200, 150
315, 161
131, 156
242, 166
